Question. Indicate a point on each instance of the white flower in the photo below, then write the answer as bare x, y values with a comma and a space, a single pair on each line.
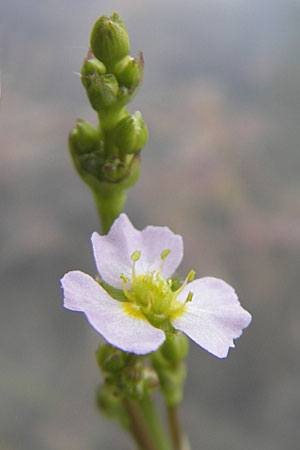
138, 266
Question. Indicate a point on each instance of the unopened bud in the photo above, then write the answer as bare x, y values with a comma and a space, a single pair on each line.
89, 68
128, 71
109, 402
111, 359
131, 134
109, 39
84, 137
102, 91
138, 381
175, 348
114, 170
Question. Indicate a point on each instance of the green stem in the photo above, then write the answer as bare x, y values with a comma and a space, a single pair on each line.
154, 424
175, 428
109, 202
107, 123
139, 428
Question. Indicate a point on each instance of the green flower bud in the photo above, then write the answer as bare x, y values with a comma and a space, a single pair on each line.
151, 381
109, 39
114, 170
84, 137
109, 402
175, 348
111, 359
131, 134
92, 163
102, 91
138, 380
89, 68
128, 72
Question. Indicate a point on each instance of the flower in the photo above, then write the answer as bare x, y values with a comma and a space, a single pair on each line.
134, 304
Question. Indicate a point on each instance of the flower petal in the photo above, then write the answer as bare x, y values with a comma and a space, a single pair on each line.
214, 317
107, 316
113, 252
81, 291
155, 240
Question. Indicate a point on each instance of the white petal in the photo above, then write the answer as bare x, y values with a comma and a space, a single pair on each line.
155, 240
107, 316
113, 252
81, 291
214, 317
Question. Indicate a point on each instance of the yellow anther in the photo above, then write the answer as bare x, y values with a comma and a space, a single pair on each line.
165, 253
191, 275
122, 276
189, 297
136, 256
163, 256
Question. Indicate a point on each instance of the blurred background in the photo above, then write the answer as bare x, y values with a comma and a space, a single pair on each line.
221, 98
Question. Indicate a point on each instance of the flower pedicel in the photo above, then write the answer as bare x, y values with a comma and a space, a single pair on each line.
134, 304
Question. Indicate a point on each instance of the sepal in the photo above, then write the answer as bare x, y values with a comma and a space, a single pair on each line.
91, 66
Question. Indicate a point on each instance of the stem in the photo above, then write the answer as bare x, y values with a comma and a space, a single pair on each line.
109, 203
107, 123
139, 427
154, 424
174, 425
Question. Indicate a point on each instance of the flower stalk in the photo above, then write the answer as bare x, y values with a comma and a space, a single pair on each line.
139, 426
154, 424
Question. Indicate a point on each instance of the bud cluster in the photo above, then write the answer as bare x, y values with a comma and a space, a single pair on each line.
111, 78
129, 376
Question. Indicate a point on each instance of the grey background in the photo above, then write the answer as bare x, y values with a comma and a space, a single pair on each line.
221, 99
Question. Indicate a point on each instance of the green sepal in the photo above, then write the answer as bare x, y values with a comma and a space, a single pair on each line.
115, 293
90, 67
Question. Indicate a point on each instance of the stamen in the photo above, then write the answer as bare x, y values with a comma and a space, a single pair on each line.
165, 253
134, 258
182, 306
163, 256
190, 277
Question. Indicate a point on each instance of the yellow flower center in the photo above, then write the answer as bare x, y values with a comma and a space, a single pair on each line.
150, 295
